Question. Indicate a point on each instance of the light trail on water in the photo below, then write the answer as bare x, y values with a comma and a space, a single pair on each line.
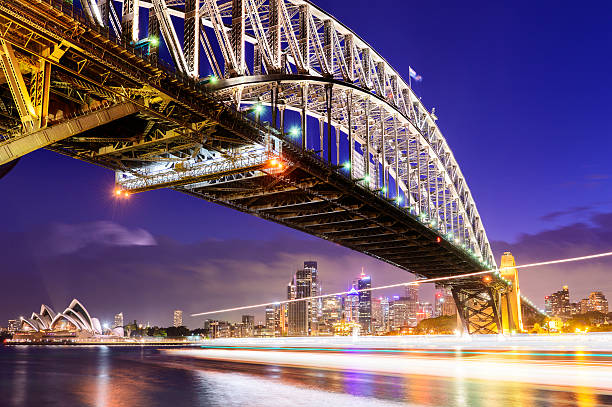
409, 283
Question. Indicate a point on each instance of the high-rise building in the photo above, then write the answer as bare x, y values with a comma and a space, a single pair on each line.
331, 314
448, 304
178, 318
118, 320
412, 303
584, 306
13, 325
575, 308
377, 316
365, 303
271, 319
385, 324
298, 312
598, 302
425, 311
558, 303
248, 321
548, 305
351, 306
280, 320
438, 303
316, 304
398, 313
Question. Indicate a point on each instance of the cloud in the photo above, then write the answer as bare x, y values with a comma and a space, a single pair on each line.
115, 269
552, 216
65, 239
577, 239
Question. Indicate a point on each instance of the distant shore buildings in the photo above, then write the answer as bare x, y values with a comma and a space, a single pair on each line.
558, 304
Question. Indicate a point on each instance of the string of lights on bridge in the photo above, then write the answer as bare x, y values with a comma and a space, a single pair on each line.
485, 273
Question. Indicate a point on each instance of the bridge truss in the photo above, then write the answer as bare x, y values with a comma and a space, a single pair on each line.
272, 107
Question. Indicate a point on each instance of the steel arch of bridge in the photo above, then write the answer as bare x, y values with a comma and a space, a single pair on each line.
158, 128
306, 61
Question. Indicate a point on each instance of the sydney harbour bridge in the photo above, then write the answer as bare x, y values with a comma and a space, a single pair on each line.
270, 107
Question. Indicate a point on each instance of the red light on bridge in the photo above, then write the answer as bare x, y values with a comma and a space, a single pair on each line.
486, 279
438, 239
117, 192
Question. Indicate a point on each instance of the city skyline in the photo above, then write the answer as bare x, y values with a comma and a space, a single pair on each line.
79, 217
305, 202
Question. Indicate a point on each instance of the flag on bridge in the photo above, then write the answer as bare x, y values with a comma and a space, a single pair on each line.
414, 75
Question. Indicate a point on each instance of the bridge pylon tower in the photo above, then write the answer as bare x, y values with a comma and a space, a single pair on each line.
512, 319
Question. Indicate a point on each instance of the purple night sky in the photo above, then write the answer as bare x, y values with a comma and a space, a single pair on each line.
522, 93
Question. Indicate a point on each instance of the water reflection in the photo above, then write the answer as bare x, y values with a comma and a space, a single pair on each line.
119, 377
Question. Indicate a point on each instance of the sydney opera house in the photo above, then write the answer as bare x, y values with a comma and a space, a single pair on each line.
73, 322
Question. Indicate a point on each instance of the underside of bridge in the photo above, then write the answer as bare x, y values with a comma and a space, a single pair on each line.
375, 175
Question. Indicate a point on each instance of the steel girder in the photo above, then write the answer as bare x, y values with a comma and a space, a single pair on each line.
344, 82
325, 72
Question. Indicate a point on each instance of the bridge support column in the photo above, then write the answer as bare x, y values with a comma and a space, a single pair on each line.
478, 310
274, 104
304, 115
351, 140
328, 100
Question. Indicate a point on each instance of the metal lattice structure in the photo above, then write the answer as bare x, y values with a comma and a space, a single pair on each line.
270, 107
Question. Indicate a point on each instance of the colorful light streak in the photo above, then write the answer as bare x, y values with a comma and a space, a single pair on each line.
417, 282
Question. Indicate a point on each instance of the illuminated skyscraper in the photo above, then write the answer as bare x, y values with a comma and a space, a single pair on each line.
118, 320
248, 321
365, 303
298, 312
425, 311
448, 305
558, 303
178, 318
438, 303
412, 304
398, 313
331, 314
597, 302
315, 305
271, 319
351, 306
377, 315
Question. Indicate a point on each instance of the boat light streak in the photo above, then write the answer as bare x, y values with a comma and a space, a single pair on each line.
416, 282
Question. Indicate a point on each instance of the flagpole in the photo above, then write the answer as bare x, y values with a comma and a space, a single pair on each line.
409, 77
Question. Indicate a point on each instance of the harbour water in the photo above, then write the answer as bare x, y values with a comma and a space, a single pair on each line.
145, 376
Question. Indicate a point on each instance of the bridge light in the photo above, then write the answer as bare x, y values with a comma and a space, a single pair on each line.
126, 194
258, 108
486, 279
384, 190
153, 41
399, 199
294, 132
367, 179
347, 165
438, 239
117, 192
213, 79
